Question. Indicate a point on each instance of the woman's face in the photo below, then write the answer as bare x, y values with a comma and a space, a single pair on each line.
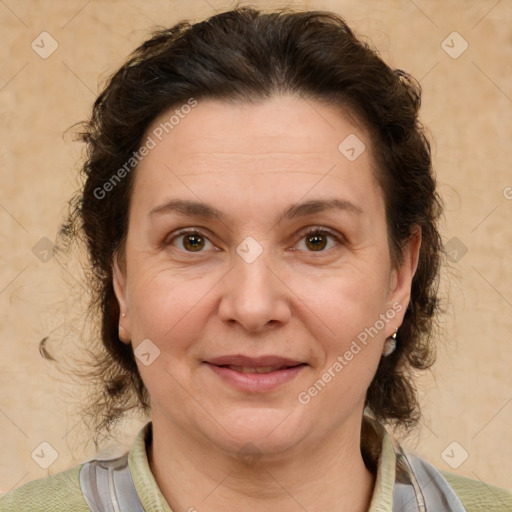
246, 328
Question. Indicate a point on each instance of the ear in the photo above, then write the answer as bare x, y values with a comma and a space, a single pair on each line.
401, 279
119, 284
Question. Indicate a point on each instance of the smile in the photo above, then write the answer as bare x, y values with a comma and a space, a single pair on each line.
256, 379
257, 369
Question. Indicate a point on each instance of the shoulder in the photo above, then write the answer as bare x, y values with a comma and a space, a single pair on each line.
57, 493
478, 496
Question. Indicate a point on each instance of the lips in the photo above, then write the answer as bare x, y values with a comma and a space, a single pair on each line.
256, 374
255, 369
242, 361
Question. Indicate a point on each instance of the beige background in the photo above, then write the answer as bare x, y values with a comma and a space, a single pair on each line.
467, 107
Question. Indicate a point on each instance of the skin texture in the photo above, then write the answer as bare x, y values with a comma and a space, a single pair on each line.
251, 162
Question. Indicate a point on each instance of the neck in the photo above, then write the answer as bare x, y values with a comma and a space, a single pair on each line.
324, 475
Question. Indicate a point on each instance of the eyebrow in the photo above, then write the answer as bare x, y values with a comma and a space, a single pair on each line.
189, 208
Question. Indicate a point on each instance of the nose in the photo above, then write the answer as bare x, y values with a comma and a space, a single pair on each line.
254, 296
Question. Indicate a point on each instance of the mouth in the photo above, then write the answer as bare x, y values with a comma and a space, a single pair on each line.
259, 369
255, 374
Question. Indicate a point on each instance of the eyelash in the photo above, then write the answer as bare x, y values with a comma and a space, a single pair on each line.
310, 231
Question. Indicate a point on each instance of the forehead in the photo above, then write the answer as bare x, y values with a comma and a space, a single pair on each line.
279, 123
284, 144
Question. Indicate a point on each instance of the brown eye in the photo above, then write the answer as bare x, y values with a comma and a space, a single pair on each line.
190, 241
316, 242
193, 242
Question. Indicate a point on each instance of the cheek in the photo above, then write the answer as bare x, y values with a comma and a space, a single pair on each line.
350, 334
346, 310
346, 301
167, 313
168, 310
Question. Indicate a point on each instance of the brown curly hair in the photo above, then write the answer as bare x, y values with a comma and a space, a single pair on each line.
247, 55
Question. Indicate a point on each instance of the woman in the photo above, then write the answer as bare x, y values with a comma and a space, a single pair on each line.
260, 215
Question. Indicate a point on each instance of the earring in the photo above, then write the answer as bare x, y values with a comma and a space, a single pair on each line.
123, 315
390, 345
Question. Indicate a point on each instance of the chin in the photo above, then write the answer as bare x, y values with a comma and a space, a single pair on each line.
258, 431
